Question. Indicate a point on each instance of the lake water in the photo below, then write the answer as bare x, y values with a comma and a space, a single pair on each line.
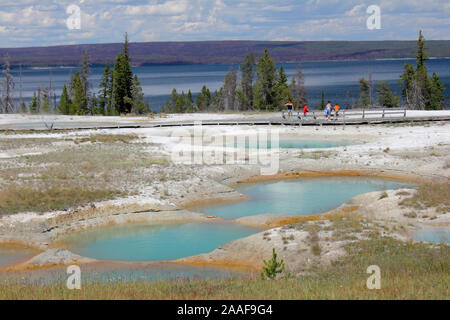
334, 77
167, 242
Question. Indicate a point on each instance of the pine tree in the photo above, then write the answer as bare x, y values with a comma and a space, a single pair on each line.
122, 81
64, 102
8, 88
347, 100
85, 72
248, 73
422, 78
322, 101
180, 103
258, 96
297, 88
23, 107
229, 90
407, 79
267, 77
190, 102
419, 91
33, 104
364, 92
282, 92
385, 96
79, 100
104, 91
45, 108
437, 93
170, 105
139, 106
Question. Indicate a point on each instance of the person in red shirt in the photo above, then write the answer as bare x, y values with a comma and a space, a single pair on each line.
305, 110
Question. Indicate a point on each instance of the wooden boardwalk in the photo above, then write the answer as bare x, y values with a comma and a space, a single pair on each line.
315, 118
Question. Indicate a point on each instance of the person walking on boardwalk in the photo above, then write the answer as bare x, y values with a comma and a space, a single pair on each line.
305, 111
290, 107
336, 111
328, 110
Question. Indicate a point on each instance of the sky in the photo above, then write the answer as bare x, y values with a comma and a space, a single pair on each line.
25, 23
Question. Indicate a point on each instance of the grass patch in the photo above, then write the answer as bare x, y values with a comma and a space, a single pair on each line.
107, 138
430, 195
411, 215
383, 195
317, 154
21, 199
408, 271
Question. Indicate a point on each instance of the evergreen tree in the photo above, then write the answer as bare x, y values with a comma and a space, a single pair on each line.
347, 100
229, 90
258, 96
422, 78
139, 106
419, 91
45, 104
104, 91
23, 107
170, 105
180, 103
203, 99
7, 102
64, 102
79, 101
33, 104
85, 72
283, 94
364, 92
189, 102
437, 93
267, 77
407, 80
122, 81
385, 96
322, 101
297, 88
248, 73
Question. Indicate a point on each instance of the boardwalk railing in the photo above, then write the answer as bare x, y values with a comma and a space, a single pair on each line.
348, 114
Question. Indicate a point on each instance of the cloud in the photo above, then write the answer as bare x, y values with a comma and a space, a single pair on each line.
166, 8
30, 23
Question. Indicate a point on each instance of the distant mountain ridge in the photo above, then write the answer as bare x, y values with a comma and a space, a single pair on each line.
223, 52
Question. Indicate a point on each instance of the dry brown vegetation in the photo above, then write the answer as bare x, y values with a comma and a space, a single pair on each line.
409, 271
21, 199
430, 195
74, 174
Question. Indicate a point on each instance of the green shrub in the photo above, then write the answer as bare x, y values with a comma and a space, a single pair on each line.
272, 267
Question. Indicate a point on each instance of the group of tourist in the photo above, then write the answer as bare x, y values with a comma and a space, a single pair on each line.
327, 111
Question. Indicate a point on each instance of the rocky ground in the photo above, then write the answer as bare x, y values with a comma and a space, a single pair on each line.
128, 177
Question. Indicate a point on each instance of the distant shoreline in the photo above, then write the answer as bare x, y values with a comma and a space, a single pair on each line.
223, 52
206, 64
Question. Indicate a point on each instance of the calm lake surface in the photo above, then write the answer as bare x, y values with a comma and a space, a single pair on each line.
334, 77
